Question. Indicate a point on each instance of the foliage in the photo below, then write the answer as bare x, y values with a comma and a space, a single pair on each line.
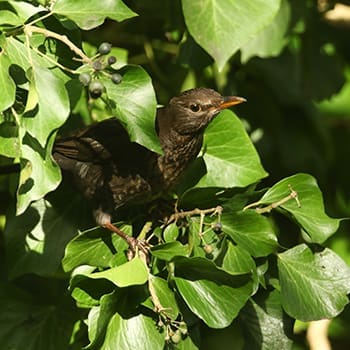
257, 257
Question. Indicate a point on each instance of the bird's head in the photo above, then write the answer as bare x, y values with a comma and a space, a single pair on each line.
193, 110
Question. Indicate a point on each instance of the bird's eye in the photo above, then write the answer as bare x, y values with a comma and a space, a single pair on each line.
195, 107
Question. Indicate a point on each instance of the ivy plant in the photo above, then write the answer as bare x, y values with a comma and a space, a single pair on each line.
220, 263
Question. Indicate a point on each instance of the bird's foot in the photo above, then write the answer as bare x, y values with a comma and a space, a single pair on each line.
136, 245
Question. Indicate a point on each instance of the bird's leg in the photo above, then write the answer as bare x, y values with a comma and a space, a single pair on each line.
133, 242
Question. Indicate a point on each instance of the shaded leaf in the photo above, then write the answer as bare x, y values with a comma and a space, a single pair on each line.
87, 15
313, 285
267, 326
230, 157
310, 215
222, 27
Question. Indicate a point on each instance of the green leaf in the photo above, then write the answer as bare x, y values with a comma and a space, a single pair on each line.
10, 142
35, 240
137, 333
251, 231
267, 326
40, 174
25, 10
131, 273
95, 247
310, 215
87, 14
212, 294
313, 285
168, 251
134, 102
8, 86
230, 156
271, 40
9, 18
31, 324
223, 27
53, 103
165, 295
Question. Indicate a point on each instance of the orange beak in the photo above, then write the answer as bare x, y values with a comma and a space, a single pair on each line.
230, 101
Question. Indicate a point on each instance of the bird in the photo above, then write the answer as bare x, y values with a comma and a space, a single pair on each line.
112, 172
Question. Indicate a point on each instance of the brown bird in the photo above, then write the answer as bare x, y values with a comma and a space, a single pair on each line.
112, 172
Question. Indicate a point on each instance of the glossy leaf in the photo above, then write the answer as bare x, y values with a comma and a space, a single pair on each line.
314, 285
94, 247
230, 157
212, 294
137, 332
87, 15
134, 102
168, 251
223, 27
131, 273
251, 231
310, 215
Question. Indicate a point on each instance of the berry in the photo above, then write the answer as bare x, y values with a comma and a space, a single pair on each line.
208, 248
217, 227
111, 60
105, 48
85, 78
97, 65
176, 337
96, 89
116, 78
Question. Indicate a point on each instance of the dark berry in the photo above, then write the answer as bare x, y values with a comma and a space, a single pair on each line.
85, 78
96, 89
105, 48
97, 65
217, 227
111, 60
116, 78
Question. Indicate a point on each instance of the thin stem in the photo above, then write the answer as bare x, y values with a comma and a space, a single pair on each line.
29, 29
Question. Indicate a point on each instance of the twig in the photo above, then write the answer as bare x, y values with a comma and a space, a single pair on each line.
29, 29
317, 335
182, 214
293, 195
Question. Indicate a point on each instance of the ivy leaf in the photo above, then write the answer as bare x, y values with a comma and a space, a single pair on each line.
87, 15
212, 294
25, 10
7, 84
267, 326
137, 332
10, 142
95, 247
251, 231
168, 251
35, 240
310, 215
229, 155
134, 102
222, 27
313, 285
271, 40
165, 295
131, 273
53, 103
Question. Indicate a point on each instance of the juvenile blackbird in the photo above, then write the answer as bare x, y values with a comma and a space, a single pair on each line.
111, 171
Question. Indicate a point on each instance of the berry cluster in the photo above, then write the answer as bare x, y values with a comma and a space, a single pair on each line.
100, 65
